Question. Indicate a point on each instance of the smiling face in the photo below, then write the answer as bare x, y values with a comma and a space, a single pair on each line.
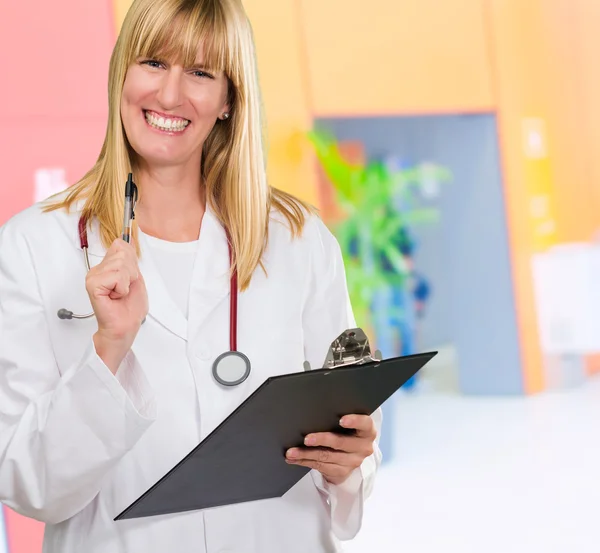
168, 110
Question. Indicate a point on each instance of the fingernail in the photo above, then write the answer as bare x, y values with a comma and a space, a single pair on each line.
310, 440
292, 453
344, 421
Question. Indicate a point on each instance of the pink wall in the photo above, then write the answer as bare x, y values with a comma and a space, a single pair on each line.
54, 95
55, 105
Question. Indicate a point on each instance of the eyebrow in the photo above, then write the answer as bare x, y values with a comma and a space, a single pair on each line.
202, 66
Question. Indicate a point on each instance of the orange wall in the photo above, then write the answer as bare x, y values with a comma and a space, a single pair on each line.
575, 120
587, 44
573, 43
556, 44
396, 56
578, 183
544, 54
518, 46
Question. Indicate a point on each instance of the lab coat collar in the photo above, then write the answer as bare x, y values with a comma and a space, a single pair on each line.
210, 277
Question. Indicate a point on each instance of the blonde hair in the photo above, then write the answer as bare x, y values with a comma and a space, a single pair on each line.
233, 159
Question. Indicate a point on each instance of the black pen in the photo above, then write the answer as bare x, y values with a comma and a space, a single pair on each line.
131, 194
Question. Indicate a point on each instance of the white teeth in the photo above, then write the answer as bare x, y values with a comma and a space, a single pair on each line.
166, 124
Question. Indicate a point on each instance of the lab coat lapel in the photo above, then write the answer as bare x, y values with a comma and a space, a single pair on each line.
161, 307
210, 279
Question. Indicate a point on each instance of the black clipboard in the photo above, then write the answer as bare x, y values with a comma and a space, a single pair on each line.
243, 459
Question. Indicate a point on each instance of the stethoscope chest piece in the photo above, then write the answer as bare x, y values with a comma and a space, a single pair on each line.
231, 368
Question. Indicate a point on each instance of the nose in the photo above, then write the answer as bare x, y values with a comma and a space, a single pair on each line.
170, 92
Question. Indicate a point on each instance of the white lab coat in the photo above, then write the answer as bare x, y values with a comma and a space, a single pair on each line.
78, 445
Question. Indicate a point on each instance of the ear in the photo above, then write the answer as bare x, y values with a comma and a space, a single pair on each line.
225, 110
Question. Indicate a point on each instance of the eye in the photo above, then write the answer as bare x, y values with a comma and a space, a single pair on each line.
152, 63
202, 74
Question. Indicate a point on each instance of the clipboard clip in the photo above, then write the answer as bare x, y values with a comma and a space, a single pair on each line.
351, 347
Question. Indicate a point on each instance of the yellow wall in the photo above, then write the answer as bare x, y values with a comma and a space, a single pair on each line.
280, 59
120, 9
370, 57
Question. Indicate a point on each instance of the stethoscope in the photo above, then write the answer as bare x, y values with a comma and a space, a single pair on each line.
232, 367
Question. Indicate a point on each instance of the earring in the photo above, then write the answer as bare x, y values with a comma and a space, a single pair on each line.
226, 116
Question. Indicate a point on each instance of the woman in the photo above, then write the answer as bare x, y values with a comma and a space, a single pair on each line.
95, 411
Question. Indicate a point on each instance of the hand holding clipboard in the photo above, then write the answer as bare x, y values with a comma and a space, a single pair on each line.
336, 455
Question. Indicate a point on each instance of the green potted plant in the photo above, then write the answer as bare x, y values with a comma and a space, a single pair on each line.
369, 230
378, 205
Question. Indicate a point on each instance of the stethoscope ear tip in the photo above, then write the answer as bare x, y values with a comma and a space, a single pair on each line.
65, 314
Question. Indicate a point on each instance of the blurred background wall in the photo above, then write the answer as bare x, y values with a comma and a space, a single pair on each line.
499, 97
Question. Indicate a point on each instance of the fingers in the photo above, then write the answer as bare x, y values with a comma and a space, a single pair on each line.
121, 286
330, 471
330, 463
335, 456
120, 265
114, 275
363, 424
349, 444
112, 279
124, 251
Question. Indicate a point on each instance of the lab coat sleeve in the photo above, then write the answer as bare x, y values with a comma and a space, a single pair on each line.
60, 435
327, 314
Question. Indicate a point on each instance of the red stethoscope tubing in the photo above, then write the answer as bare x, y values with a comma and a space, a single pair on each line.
233, 283
233, 297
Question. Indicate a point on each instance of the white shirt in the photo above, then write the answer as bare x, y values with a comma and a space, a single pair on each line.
175, 262
78, 445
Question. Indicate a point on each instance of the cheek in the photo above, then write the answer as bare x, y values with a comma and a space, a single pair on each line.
127, 118
135, 89
128, 100
205, 106
209, 100
130, 110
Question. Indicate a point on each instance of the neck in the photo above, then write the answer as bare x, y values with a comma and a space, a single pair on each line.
172, 203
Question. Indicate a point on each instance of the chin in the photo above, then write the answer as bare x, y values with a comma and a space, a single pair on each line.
158, 155
156, 151
161, 160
